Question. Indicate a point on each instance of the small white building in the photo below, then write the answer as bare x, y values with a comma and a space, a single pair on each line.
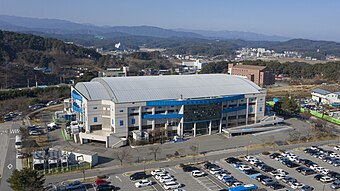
333, 97
325, 97
195, 65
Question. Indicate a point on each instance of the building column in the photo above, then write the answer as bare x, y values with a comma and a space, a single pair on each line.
256, 103
220, 127
140, 118
166, 124
194, 129
153, 120
247, 111
181, 123
210, 123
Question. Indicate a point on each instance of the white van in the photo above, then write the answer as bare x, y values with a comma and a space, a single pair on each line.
18, 142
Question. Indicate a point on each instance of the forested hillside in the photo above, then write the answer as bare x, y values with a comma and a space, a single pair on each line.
25, 58
329, 71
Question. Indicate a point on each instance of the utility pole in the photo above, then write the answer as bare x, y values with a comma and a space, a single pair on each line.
36, 82
6, 75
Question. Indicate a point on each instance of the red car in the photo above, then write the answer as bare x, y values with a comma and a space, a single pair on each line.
100, 181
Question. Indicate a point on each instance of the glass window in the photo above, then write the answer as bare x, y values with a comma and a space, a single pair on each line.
250, 109
260, 108
133, 121
95, 119
121, 111
94, 107
121, 122
113, 121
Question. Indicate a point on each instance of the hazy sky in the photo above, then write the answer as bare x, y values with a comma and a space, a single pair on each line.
315, 19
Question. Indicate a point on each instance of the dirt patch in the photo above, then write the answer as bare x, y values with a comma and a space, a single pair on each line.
302, 91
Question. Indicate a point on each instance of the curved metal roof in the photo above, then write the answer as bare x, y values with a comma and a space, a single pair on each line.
148, 88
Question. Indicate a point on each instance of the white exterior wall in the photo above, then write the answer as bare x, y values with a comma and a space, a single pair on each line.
317, 96
114, 113
333, 98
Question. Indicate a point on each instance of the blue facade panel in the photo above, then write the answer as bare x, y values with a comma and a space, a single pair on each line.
76, 108
193, 102
234, 109
163, 116
76, 95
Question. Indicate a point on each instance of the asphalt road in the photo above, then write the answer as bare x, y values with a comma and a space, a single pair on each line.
213, 156
8, 152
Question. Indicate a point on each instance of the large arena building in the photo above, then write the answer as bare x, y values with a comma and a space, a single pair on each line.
112, 108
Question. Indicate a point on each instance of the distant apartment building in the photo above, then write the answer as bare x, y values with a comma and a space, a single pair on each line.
190, 67
114, 72
260, 75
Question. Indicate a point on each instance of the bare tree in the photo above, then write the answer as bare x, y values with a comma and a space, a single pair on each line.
138, 154
294, 135
122, 155
309, 134
194, 149
154, 151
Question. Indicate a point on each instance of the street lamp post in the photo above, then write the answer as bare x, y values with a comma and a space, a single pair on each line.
144, 164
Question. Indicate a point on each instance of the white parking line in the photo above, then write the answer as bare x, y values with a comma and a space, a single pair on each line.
172, 170
119, 178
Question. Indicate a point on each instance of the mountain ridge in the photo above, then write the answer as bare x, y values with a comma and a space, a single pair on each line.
59, 26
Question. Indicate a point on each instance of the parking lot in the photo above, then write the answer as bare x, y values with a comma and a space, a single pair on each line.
240, 170
317, 165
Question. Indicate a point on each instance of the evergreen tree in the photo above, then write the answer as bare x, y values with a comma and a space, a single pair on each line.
26, 180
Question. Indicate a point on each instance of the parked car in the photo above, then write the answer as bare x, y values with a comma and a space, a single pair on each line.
172, 185
143, 183
100, 181
237, 183
245, 167
104, 187
268, 181
209, 165
215, 170
166, 179
336, 148
296, 185
333, 174
224, 176
289, 179
160, 176
307, 171
326, 179
276, 186
280, 176
274, 155
35, 133
232, 160
251, 172
261, 177
248, 158
306, 188
229, 182
299, 169
138, 175
318, 177
188, 168
335, 185
157, 171
197, 173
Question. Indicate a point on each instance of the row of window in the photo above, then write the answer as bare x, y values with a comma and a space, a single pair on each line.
133, 121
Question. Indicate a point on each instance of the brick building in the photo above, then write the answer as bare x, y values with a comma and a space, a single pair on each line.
260, 75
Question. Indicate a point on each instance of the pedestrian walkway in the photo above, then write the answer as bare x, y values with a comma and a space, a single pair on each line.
9, 131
